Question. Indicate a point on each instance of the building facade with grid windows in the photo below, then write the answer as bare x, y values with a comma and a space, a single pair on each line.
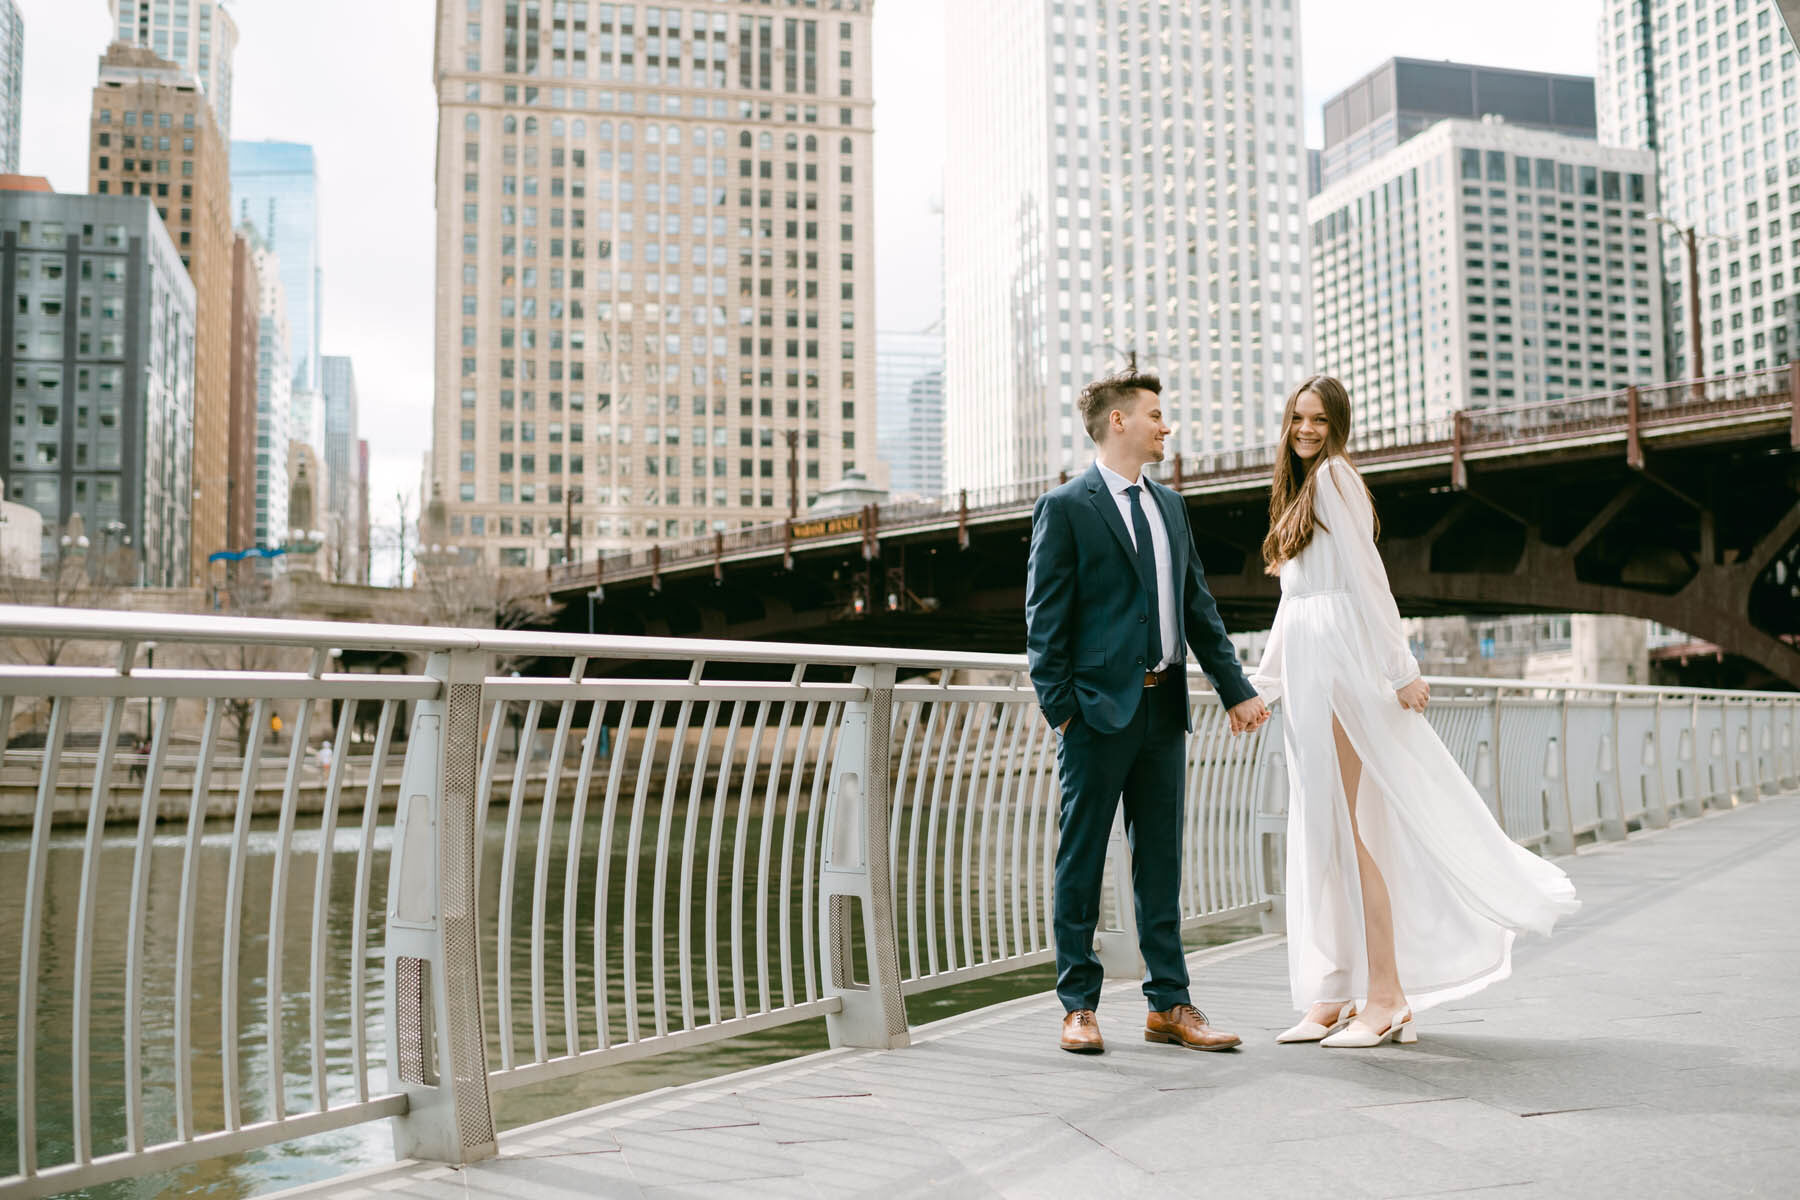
1130, 179
655, 269
1483, 265
1713, 90
98, 352
152, 133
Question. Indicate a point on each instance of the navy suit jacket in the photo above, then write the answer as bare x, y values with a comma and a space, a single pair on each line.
1087, 613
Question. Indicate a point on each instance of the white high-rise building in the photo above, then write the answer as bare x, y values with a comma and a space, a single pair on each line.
1481, 264
197, 34
1712, 89
1123, 176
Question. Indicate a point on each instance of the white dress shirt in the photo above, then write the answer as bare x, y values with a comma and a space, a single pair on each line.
1173, 649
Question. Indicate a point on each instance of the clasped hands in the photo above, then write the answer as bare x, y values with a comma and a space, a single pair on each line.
1247, 716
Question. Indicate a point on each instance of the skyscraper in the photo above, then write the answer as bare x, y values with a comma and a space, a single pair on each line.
1711, 89
12, 82
100, 367
246, 354
1129, 179
152, 134
909, 393
274, 393
1406, 96
197, 35
1483, 265
275, 187
655, 264
341, 462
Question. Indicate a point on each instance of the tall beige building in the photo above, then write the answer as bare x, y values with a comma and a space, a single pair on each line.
655, 264
152, 134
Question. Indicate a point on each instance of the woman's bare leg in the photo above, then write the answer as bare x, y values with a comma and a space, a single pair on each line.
1386, 998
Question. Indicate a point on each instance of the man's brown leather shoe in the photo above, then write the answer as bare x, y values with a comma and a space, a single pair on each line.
1185, 1025
1081, 1033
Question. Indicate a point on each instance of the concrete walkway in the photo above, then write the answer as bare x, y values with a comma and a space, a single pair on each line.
1648, 1050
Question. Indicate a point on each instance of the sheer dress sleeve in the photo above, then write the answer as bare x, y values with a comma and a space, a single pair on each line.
1342, 503
1268, 677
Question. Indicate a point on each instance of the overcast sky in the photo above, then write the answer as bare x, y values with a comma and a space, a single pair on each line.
353, 78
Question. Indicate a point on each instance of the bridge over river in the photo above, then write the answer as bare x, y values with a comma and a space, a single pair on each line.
518, 886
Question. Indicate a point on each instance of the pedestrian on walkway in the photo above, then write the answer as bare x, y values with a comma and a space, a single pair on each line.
1402, 890
1114, 597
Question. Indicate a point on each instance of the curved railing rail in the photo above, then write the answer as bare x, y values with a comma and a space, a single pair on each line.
1469, 430
542, 874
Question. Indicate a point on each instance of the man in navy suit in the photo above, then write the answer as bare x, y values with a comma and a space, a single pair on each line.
1114, 597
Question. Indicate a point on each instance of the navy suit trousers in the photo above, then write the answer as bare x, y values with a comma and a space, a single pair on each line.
1145, 764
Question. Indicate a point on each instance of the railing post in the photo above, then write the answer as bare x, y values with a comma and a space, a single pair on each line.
1613, 827
1270, 825
1660, 818
856, 872
437, 1053
1561, 834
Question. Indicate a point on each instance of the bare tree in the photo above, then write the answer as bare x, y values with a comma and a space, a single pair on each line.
77, 576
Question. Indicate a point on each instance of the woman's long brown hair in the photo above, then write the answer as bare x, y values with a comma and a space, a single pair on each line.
1291, 519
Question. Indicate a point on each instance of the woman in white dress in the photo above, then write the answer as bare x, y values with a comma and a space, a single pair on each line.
1402, 890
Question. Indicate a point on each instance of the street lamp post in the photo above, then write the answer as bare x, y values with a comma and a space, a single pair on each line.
1690, 239
150, 702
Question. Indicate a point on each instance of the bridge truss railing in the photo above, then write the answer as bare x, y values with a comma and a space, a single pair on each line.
571, 871
1467, 430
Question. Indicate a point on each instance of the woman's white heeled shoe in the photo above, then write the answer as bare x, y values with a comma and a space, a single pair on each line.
1399, 1030
1312, 1031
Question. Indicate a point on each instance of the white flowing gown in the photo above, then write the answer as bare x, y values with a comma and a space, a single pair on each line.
1461, 889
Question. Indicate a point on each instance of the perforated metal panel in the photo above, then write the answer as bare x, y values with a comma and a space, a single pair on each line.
462, 971
409, 985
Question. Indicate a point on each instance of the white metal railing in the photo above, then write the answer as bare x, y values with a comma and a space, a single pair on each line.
557, 871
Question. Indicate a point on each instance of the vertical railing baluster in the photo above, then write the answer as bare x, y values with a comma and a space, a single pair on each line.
634, 850
740, 841
715, 840
952, 710
31, 932
584, 776
322, 901
789, 824
684, 927
540, 888
603, 871
523, 746
136, 968
659, 887
365, 866
913, 863
278, 890
81, 1093
828, 735
186, 932
249, 769
765, 842
994, 766
956, 902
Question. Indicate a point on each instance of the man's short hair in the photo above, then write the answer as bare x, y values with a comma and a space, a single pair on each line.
1099, 398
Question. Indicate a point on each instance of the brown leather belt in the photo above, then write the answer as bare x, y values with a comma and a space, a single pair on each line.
1155, 678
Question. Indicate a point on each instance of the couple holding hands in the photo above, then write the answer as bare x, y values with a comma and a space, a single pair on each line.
1402, 890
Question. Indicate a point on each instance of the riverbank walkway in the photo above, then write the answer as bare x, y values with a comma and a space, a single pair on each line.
1648, 1050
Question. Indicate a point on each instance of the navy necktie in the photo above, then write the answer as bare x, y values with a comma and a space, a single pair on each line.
1146, 555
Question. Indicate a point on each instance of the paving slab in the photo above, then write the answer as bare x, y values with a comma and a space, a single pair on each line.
1645, 1051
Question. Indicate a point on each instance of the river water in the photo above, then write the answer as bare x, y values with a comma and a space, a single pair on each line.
325, 1155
